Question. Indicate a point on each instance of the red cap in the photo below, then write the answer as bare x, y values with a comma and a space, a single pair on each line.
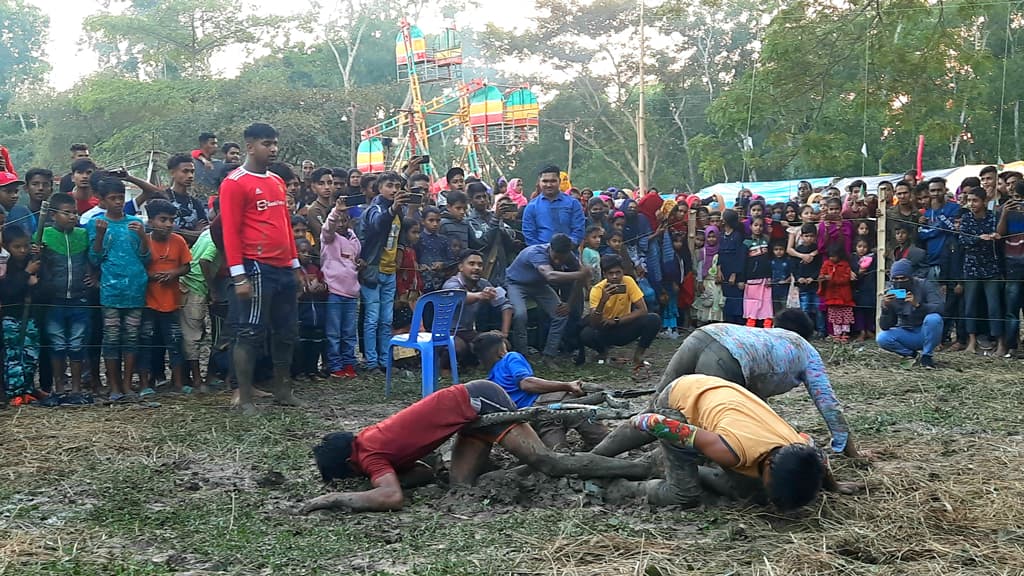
7, 178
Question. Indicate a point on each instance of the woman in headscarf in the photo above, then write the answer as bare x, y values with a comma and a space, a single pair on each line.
708, 305
515, 192
732, 258
649, 205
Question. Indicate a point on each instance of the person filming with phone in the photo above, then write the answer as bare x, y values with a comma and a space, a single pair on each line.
911, 321
618, 314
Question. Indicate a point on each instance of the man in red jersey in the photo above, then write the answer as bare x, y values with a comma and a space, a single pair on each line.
260, 253
389, 452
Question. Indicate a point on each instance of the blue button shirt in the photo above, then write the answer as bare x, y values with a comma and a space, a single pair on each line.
508, 373
543, 218
523, 269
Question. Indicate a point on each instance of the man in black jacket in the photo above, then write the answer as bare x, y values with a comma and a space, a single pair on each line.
911, 319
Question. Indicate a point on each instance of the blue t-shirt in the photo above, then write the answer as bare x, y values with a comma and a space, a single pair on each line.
524, 269
508, 373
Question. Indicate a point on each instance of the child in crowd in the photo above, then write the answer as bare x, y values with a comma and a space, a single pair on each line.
66, 280
300, 230
339, 258
455, 228
708, 306
119, 246
591, 251
312, 315
865, 231
617, 246
169, 260
433, 251
757, 290
865, 291
905, 249
808, 268
409, 285
675, 266
782, 267
21, 354
836, 290
197, 288
833, 229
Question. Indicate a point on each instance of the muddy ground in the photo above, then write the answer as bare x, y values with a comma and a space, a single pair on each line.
188, 486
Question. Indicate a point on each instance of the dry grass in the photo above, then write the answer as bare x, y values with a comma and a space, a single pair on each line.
190, 487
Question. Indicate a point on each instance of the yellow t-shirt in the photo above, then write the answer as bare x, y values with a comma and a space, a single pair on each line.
620, 304
749, 425
389, 256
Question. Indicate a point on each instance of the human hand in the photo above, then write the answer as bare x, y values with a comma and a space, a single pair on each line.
32, 267
732, 278
742, 285
243, 289
958, 290
401, 197
34, 249
339, 204
849, 488
325, 502
89, 281
574, 388
137, 227
910, 298
489, 293
887, 299
101, 226
853, 276
562, 309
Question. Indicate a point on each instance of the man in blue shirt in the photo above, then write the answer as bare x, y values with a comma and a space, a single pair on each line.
513, 373
941, 221
530, 274
553, 212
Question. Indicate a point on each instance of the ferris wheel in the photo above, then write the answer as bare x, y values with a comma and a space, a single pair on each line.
479, 114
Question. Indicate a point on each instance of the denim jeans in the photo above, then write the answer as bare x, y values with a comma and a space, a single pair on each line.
974, 291
906, 341
379, 302
341, 332
547, 300
168, 326
1011, 313
67, 326
809, 304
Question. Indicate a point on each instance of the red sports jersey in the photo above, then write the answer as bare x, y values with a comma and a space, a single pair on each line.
254, 214
396, 443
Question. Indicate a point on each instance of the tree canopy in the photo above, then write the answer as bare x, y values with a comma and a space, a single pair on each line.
738, 90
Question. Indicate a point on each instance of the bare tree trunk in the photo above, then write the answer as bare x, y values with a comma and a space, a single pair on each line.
677, 115
1016, 130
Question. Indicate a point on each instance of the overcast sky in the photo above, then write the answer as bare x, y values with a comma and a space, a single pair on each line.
70, 59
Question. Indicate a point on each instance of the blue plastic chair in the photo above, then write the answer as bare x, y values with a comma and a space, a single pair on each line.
448, 306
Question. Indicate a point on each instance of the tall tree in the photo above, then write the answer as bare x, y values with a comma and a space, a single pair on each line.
175, 38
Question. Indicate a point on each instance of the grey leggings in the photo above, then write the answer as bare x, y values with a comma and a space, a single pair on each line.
700, 353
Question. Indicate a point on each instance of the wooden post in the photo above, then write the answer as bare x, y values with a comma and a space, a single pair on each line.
691, 232
880, 257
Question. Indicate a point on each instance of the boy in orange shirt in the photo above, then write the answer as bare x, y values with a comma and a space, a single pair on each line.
170, 259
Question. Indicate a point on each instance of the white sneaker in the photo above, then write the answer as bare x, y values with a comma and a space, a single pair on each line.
673, 335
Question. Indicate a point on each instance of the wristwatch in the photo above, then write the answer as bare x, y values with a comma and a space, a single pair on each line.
617, 319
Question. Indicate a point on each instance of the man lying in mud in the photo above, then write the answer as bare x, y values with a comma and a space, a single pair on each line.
389, 452
761, 457
767, 362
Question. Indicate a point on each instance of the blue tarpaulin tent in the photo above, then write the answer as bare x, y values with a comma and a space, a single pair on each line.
772, 192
